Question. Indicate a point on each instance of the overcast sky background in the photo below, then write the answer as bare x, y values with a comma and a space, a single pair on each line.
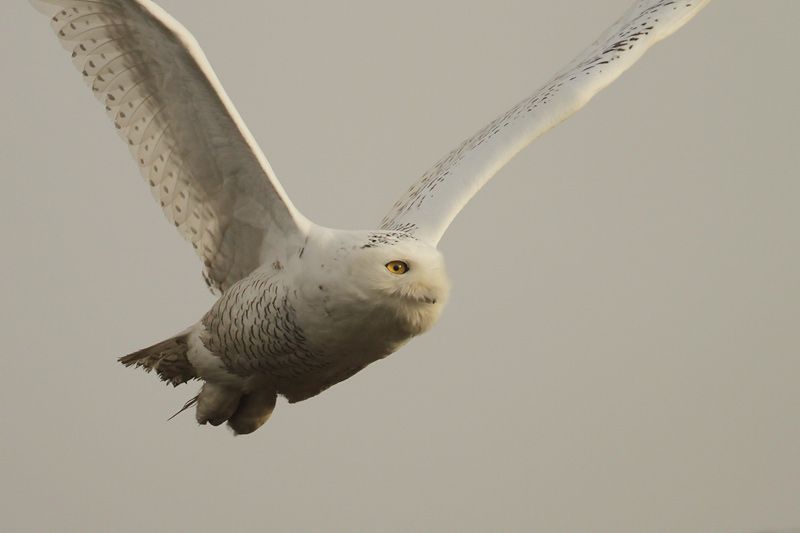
620, 353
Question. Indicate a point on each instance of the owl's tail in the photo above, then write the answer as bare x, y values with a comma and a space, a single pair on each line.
167, 358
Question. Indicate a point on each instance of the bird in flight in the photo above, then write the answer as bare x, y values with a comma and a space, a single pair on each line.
301, 307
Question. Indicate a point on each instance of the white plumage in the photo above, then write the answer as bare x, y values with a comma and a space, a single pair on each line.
302, 307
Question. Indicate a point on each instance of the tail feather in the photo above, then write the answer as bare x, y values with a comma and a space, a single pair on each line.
167, 358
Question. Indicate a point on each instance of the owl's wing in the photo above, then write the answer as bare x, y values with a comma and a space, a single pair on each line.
428, 208
201, 162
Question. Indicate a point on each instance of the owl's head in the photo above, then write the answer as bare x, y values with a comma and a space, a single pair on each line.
401, 274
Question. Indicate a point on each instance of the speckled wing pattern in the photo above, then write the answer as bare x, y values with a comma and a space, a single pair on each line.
201, 162
428, 208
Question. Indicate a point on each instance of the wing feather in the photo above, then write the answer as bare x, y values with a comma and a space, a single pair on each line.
431, 204
193, 149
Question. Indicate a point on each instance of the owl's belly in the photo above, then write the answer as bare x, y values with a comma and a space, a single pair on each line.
342, 348
309, 384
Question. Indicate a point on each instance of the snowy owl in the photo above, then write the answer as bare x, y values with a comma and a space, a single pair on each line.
301, 306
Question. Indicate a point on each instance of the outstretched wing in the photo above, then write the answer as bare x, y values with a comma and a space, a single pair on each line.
201, 162
428, 208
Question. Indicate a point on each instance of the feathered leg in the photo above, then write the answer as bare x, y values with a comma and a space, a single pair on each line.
254, 410
216, 403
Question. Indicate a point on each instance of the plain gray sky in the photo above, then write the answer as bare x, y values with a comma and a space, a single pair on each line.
620, 353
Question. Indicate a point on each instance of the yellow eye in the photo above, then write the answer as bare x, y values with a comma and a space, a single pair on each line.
397, 267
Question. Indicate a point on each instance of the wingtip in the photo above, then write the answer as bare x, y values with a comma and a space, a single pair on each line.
44, 7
